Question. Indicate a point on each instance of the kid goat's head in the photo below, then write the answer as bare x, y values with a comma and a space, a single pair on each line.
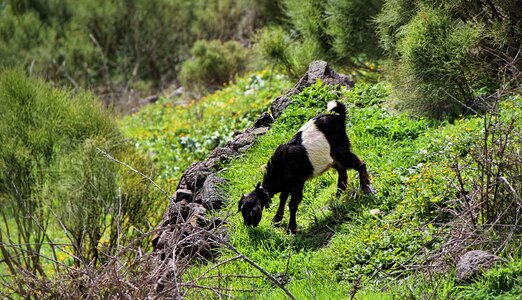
252, 204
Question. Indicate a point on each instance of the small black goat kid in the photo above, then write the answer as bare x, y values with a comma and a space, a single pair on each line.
320, 144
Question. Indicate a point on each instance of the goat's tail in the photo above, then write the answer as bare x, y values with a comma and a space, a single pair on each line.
337, 107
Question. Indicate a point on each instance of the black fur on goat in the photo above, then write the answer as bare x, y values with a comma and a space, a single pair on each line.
320, 144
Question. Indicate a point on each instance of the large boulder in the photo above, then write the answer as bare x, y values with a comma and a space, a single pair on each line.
320, 70
279, 105
264, 120
194, 176
242, 141
474, 263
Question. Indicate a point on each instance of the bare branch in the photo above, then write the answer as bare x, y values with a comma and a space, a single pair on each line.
110, 157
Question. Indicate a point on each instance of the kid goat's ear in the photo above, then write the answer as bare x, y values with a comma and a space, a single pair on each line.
241, 201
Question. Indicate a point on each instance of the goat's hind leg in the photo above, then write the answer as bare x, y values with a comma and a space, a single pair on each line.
281, 209
342, 180
351, 161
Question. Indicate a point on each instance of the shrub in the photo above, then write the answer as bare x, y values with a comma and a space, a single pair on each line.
340, 31
230, 19
394, 15
489, 193
290, 55
435, 57
444, 54
213, 64
56, 186
111, 45
350, 24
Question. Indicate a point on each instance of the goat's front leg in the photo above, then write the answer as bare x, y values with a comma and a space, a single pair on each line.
297, 196
281, 209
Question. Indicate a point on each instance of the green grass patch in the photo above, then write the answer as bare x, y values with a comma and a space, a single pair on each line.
178, 135
339, 242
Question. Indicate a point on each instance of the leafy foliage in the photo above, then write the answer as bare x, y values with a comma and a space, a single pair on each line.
109, 44
287, 54
340, 32
213, 64
54, 184
442, 52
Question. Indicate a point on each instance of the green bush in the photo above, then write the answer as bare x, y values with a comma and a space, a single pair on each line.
289, 55
339, 31
229, 19
213, 64
350, 24
444, 54
436, 53
55, 186
97, 42
394, 15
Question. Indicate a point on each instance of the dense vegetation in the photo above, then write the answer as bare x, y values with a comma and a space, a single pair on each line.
112, 46
446, 55
435, 114
437, 53
62, 201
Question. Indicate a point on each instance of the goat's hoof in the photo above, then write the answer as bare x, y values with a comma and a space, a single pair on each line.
369, 190
291, 230
276, 220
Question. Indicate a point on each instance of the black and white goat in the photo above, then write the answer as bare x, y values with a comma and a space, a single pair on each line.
320, 144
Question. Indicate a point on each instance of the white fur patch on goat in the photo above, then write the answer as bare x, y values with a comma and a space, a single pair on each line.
317, 147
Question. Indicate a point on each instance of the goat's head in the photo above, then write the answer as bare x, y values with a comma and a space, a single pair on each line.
252, 204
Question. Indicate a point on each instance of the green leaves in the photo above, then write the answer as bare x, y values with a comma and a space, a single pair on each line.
442, 52
53, 179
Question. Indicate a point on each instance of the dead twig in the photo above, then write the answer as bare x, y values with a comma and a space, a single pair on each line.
110, 157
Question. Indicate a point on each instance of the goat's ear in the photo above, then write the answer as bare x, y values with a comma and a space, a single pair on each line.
241, 201
260, 190
263, 168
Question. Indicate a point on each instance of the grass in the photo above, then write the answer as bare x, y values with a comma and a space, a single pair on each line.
341, 247
178, 135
